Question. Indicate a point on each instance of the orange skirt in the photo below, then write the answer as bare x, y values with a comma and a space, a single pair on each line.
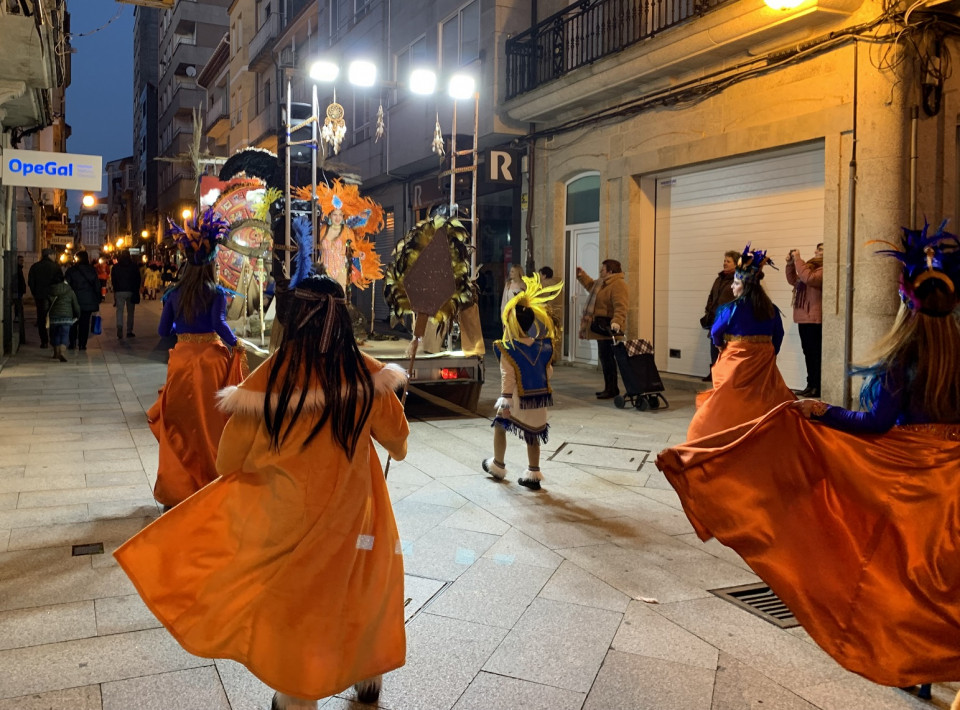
185, 419
858, 535
746, 384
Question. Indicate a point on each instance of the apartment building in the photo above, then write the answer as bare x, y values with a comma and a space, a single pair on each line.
663, 134
146, 78
189, 34
34, 74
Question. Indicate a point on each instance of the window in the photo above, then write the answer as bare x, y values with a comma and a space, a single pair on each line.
264, 98
460, 37
343, 13
363, 117
409, 58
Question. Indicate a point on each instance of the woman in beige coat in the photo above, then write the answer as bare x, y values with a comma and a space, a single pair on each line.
606, 310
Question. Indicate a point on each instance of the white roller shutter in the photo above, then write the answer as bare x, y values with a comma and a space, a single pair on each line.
775, 201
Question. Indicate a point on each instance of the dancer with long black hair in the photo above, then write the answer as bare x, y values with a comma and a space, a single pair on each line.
290, 562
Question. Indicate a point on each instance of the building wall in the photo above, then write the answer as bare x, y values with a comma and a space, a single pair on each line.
145, 135
834, 97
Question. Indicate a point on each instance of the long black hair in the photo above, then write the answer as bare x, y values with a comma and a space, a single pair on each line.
304, 361
197, 290
753, 291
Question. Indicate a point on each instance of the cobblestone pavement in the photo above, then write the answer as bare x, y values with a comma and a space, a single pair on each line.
517, 599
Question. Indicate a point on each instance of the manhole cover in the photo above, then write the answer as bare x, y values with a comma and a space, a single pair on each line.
418, 592
600, 456
759, 600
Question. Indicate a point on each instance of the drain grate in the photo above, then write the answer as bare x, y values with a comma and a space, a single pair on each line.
759, 600
91, 548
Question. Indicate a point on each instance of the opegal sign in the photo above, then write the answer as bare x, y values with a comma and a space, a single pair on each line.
69, 171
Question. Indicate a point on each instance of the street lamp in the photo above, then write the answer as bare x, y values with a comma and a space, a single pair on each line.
88, 201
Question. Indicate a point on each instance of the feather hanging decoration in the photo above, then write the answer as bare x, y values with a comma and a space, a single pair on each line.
380, 125
302, 234
405, 255
437, 144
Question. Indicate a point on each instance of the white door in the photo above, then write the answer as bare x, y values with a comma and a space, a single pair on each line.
584, 250
775, 202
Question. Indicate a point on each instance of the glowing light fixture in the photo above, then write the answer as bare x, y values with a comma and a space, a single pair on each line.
462, 86
423, 82
783, 4
362, 73
323, 70
187, 213
89, 200
120, 243
144, 234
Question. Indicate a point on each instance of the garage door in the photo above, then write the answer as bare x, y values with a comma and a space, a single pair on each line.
775, 201
386, 240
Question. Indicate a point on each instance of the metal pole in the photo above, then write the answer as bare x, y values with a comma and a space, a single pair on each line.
473, 188
453, 162
286, 193
314, 111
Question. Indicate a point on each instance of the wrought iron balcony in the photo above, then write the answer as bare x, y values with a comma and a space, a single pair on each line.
587, 31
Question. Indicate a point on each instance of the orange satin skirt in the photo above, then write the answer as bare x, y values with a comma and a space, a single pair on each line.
746, 384
185, 419
858, 535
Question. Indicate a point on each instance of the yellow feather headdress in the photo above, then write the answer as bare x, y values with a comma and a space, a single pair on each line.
534, 297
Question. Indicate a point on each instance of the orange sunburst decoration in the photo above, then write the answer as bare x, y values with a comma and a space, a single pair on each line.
361, 214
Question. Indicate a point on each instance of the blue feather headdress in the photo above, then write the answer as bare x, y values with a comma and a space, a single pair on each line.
750, 265
199, 238
302, 233
925, 256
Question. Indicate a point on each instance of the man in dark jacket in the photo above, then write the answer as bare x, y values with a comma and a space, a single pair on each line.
85, 283
40, 278
125, 277
721, 292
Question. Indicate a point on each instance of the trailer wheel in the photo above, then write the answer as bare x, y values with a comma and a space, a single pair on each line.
619, 401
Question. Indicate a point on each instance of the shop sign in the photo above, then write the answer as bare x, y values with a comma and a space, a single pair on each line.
68, 171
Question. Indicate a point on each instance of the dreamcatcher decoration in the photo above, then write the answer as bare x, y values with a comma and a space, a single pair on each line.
437, 144
380, 125
402, 275
361, 217
334, 127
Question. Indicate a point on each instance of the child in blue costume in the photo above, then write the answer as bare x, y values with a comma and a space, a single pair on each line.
525, 370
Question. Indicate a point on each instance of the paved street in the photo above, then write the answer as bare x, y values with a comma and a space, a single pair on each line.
589, 594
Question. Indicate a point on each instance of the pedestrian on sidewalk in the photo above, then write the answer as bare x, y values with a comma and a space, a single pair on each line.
42, 275
605, 314
290, 562
125, 276
185, 418
721, 292
806, 277
525, 371
748, 331
63, 313
82, 278
851, 516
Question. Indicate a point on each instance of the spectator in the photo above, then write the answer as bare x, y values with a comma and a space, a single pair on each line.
153, 281
605, 314
721, 292
42, 275
63, 311
513, 286
806, 277
103, 274
82, 278
125, 277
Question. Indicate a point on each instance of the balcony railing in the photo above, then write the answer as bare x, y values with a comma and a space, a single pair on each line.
264, 38
587, 31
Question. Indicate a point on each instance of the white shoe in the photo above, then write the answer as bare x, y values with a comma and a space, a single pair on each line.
498, 472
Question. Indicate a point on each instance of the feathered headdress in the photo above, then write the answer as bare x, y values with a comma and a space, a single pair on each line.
302, 266
361, 214
303, 269
923, 257
534, 297
199, 238
750, 265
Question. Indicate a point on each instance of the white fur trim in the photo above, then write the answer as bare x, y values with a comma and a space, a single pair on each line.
534, 475
503, 403
239, 400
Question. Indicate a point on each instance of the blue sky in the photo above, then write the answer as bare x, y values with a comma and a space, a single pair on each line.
99, 105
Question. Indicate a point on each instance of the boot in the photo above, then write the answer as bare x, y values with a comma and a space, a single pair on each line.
61, 351
531, 478
368, 691
119, 332
498, 471
56, 353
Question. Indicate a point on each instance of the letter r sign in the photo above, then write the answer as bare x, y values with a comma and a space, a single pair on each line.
503, 166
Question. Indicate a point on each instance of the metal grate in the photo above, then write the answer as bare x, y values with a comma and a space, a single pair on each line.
759, 600
92, 548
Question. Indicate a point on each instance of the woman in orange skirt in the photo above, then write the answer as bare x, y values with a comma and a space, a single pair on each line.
185, 419
290, 562
856, 529
748, 330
